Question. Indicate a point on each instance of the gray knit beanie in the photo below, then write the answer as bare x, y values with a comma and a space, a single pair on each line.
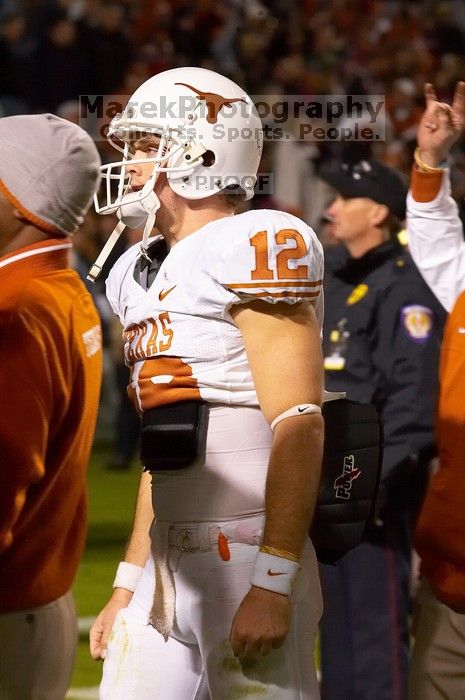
49, 169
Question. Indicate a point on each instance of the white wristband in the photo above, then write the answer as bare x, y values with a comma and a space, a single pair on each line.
127, 576
299, 410
274, 573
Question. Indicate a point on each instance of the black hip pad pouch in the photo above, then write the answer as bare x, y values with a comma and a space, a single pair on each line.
173, 436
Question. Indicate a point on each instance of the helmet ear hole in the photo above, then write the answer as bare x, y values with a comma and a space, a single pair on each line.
208, 159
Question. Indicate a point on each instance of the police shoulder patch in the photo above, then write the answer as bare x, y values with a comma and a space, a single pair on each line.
417, 322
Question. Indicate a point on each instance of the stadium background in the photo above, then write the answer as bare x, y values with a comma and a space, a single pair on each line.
53, 51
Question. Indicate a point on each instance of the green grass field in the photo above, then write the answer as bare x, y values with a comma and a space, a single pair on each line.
111, 507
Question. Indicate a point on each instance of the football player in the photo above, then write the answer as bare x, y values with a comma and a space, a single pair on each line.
222, 317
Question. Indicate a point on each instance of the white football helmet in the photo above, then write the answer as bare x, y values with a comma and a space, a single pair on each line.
211, 139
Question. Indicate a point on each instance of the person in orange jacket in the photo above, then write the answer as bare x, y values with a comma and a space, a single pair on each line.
50, 371
438, 248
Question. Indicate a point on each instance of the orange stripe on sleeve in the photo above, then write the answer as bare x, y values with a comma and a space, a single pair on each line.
265, 283
285, 294
425, 186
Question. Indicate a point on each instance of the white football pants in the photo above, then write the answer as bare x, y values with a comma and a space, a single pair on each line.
197, 663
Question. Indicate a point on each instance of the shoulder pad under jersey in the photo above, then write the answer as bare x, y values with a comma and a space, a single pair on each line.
269, 255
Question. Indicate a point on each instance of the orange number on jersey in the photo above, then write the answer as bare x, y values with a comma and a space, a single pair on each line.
286, 254
260, 242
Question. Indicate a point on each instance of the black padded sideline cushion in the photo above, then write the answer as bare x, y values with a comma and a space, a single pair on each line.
351, 472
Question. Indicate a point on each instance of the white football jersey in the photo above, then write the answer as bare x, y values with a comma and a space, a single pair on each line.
181, 342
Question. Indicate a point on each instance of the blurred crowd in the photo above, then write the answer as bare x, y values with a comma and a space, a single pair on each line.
52, 51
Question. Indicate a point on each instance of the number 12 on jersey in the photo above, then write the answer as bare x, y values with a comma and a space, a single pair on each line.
286, 237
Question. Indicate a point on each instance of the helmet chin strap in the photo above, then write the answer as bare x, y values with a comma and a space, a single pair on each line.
149, 224
148, 230
96, 268
131, 215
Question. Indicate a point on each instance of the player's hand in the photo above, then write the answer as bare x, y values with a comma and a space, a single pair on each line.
100, 630
441, 125
260, 624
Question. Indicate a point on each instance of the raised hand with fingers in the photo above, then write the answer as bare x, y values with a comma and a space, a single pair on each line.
441, 125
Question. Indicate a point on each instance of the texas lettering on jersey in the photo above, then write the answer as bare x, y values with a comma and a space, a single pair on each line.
157, 334
180, 340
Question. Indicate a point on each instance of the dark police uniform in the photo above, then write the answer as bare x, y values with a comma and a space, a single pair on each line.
382, 334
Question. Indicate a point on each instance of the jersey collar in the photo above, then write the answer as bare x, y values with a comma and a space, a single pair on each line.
37, 259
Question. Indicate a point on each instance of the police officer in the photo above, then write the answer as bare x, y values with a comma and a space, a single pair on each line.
381, 344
